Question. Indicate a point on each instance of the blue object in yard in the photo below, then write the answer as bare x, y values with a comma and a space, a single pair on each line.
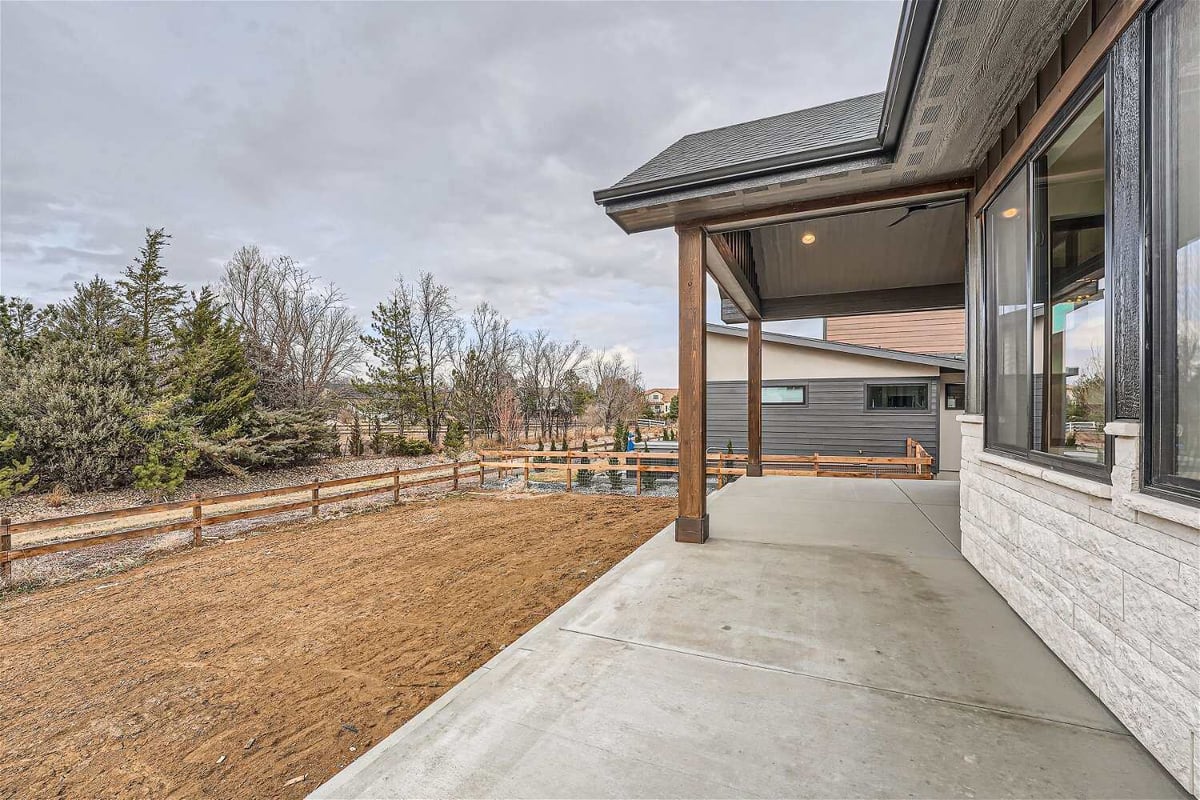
629, 445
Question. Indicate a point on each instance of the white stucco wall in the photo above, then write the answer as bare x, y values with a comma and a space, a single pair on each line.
1108, 577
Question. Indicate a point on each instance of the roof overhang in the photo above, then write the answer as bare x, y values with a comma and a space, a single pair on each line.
942, 362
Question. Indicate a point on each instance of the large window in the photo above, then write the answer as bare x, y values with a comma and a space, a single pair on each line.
1174, 131
898, 397
1047, 324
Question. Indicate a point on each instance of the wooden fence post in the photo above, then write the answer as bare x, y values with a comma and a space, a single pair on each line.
567, 465
638, 480
816, 463
5, 547
526, 472
456, 476
315, 504
481, 471
396, 488
197, 521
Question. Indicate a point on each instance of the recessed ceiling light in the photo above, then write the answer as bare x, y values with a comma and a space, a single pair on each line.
808, 238
1009, 213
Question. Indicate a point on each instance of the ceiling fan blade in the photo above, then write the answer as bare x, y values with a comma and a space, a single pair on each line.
907, 214
910, 210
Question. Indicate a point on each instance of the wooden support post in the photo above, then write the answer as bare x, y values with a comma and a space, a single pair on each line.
754, 398
481, 472
456, 476
638, 491
315, 504
567, 464
5, 548
692, 523
396, 488
197, 521
526, 472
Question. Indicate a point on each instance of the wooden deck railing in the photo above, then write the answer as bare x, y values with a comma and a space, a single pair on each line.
915, 464
197, 520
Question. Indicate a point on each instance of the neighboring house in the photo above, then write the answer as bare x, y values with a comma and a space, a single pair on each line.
834, 398
1036, 164
659, 400
939, 333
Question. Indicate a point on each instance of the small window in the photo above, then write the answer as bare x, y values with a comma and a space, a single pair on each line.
898, 397
956, 396
784, 395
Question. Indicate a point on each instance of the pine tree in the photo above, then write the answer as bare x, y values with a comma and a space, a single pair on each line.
454, 440
92, 316
355, 444
150, 302
616, 477
211, 373
170, 450
673, 409
391, 383
15, 477
20, 324
649, 479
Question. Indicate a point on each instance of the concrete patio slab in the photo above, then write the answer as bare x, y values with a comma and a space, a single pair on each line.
774, 661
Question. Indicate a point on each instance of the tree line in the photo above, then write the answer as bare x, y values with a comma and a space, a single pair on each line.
140, 382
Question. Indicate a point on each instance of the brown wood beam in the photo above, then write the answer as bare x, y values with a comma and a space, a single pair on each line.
1104, 37
730, 273
881, 196
875, 301
692, 523
754, 398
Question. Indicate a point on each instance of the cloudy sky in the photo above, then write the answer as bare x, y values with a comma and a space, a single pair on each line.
369, 140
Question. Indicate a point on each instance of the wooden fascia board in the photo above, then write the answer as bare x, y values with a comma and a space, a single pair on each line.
1098, 44
725, 271
875, 301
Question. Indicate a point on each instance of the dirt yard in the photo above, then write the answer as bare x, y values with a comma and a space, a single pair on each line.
235, 669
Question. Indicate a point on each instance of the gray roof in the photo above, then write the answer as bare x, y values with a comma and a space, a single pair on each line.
772, 143
943, 362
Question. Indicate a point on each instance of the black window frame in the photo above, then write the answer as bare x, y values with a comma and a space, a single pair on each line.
1025, 170
783, 403
1157, 304
930, 396
962, 393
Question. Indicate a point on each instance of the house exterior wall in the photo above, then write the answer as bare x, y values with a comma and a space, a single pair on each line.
832, 422
934, 332
1108, 577
727, 362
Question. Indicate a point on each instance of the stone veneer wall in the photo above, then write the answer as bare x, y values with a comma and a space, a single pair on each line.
1109, 578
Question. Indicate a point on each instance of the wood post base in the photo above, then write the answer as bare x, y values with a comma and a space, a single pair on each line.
753, 470
691, 530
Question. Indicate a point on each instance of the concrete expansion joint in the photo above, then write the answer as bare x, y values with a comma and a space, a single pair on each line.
1006, 712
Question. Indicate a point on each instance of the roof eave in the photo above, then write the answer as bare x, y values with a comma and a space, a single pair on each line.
942, 362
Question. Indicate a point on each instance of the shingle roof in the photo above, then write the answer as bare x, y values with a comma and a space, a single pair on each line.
786, 138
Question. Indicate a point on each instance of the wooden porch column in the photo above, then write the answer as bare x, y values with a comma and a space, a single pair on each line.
692, 523
754, 398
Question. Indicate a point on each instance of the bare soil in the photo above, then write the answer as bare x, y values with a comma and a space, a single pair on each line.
230, 670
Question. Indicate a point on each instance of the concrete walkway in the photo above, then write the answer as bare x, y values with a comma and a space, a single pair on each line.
828, 641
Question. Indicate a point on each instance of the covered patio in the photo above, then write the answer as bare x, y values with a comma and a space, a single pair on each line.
828, 641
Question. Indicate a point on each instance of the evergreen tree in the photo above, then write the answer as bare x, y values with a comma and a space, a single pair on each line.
616, 477
92, 316
210, 372
649, 479
150, 302
355, 445
454, 440
584, 476
15, 477
283, 438
673, 409
20, 324
391, 383
169, 452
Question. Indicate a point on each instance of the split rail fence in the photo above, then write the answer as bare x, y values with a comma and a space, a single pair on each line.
397, 479
916, 464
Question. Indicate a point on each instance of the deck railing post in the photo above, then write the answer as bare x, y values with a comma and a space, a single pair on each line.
197, 521
315, 502
5, 549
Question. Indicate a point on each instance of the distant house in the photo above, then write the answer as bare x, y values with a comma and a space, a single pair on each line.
835, 398
659, 400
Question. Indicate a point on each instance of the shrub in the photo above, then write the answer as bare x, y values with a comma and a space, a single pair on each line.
649, 479
16, 477
584, 476
356, 445
396, 446
283, 438
454, 440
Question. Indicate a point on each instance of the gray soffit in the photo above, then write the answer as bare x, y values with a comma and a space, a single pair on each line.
943, 362
958, 69
856, 127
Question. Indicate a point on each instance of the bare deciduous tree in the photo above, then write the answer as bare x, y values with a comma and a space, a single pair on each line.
301, 336
435, 331
616, 388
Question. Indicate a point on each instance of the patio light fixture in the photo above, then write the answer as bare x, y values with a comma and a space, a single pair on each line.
1009, 213
808, 238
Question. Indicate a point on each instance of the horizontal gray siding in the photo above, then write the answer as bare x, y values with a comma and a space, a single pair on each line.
833, 422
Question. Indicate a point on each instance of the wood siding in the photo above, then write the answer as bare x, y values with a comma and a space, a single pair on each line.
933, 332
832, 422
